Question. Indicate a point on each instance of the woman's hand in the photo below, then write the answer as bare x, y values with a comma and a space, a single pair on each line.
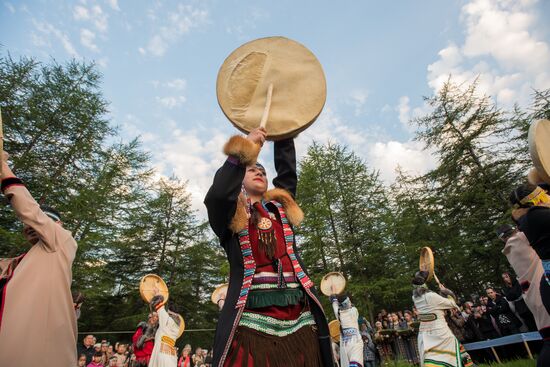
258, 136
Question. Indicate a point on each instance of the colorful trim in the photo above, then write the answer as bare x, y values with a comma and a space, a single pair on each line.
10, 181
272, 326
355, 364
167, 340
433, 363
273, 286
249, 267
289, 240
427, 317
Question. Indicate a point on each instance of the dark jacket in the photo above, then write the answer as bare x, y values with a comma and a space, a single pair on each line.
507, 322
88, 352
227, 217
536, 226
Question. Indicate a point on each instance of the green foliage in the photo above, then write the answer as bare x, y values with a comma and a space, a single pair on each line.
126, 223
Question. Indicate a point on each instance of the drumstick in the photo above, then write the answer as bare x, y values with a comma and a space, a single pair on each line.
263, 121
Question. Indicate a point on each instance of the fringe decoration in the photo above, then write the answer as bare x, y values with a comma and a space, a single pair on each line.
274, 297
299, 349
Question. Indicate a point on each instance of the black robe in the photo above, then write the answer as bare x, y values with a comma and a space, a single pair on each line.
221, 202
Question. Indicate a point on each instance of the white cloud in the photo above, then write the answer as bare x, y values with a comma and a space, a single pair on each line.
500, 47
10, 7
409, 156
175, 24
358, 99
93, 14
404, 110
177, 84
113, 4
87, 39
48, 29
171, 101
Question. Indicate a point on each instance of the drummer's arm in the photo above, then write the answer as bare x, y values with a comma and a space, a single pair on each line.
221, 199
285, 165
334, 302
442, 302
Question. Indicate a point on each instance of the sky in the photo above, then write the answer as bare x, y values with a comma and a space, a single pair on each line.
160, 60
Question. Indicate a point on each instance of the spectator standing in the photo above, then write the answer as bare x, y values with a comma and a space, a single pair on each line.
513, 293
185, 358
96, 360
198, 358
498, 307
87, 348
121, 357
82, 360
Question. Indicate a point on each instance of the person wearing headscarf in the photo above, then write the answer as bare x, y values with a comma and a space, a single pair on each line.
528, 268
272, 315
437, 344
351, 342
37, 309
531, 212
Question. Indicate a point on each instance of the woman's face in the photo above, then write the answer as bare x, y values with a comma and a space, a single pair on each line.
378, 325
506, 278
82, 361
255, 180
408, 317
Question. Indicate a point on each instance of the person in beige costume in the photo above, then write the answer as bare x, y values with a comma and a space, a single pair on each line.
36, 310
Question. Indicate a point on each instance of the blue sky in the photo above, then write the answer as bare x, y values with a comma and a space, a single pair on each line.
160, 61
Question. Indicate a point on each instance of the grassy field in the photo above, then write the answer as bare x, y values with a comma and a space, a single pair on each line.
516, 363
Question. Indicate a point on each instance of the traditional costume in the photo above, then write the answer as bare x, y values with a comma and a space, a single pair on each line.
351, 342
143, 342
437, 345
529, 270
272, 316
36, 309
169, 329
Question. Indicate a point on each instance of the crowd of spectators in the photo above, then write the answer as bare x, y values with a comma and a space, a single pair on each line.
92, 353
492, 315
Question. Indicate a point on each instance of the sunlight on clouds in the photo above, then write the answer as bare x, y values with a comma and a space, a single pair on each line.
92, 13
171, 101
48, 29
174, 24
87, 38
500, 47
358, 99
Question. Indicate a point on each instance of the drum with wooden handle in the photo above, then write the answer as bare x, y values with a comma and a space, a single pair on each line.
427, 263
219, 293
148, 285
333, 283
273, 82
539, 147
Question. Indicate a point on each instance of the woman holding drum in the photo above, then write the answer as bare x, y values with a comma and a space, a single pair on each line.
271, 315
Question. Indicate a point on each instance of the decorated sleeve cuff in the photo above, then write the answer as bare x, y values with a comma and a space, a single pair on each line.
242, 149
11, 181
234, 160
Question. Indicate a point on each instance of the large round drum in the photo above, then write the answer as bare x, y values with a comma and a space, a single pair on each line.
333, 283
219, 293
147, 287
334, 330
182, 326
299, 86
539, 147
426, 262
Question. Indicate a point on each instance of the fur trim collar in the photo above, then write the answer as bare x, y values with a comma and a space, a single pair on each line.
292, 210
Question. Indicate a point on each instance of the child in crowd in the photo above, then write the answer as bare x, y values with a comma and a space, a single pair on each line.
82, 360
96, 360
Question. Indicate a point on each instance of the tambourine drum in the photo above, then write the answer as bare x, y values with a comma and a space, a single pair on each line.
219, 293
147, 287
427, 262
182, 326
334, 330
299, 86
539, 147
333, 280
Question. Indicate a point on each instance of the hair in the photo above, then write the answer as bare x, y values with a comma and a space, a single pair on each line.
420, 277
504, 230
342, 298
520, 192
491, 288
98, 354
78, 297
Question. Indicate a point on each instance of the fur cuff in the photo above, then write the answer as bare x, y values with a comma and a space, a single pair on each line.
242, 148
240, 219
293, 212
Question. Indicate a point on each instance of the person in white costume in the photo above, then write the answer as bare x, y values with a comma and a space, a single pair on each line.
164, 352
351, 342
437, 345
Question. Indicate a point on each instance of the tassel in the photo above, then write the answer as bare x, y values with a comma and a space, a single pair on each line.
267, 240
280, 276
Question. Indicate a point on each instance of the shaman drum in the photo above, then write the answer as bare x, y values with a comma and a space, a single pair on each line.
333, 283
334, 330
182, 326
539, 147
147, 287
219, 293
274, 77
427, 262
